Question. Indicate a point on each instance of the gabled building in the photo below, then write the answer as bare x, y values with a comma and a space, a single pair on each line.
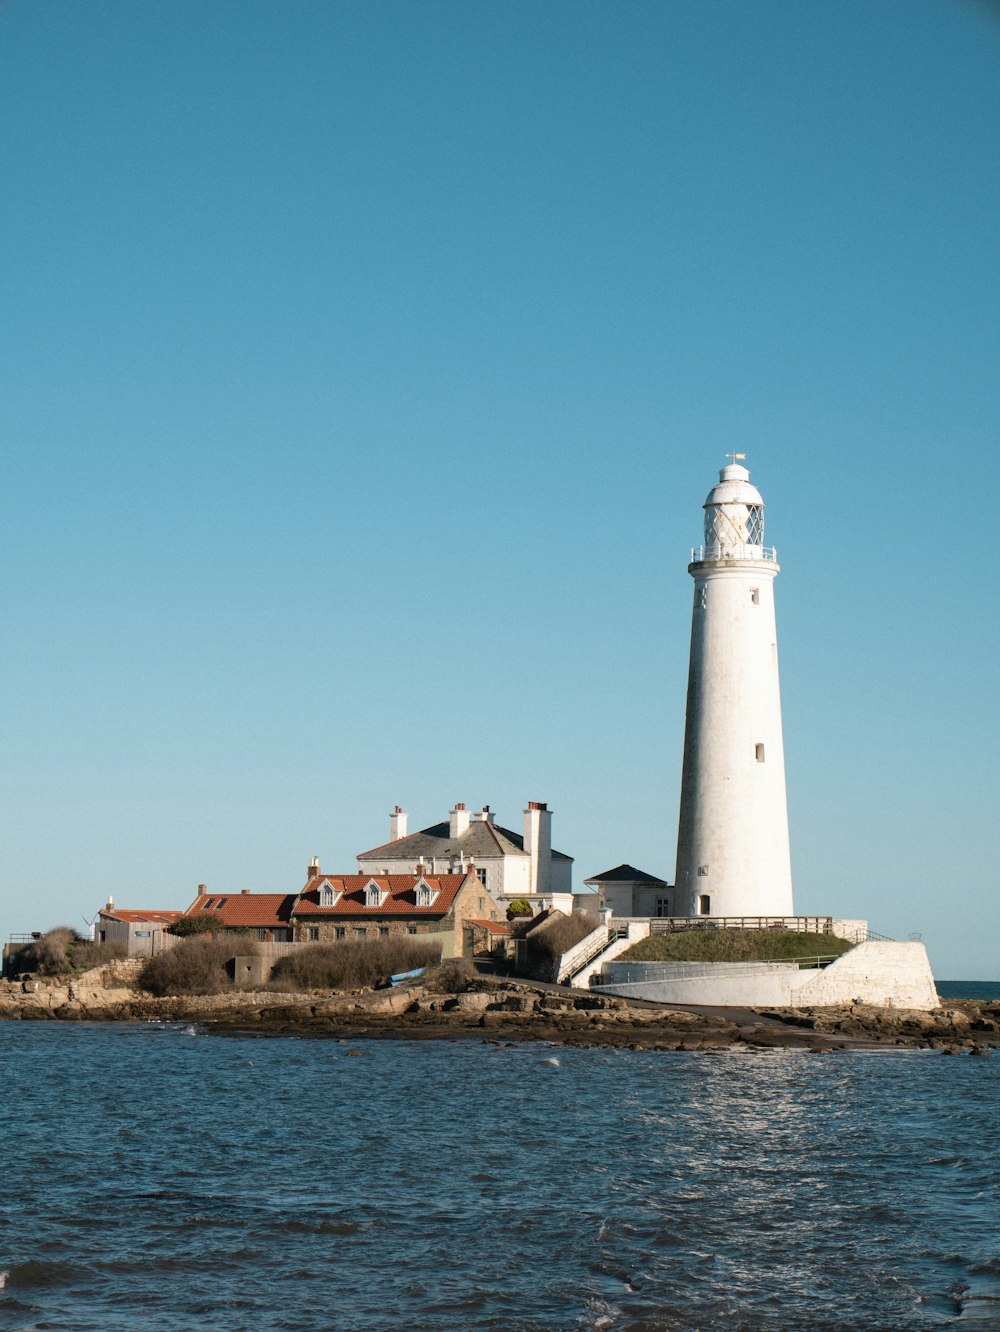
632, 892
266, 915
335, 907
510, 865
141, 931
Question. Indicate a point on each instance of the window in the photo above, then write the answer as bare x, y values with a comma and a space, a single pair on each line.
374, 894
704, 905
327, 895
411, 929
759, 752
755, 595
361, 931
313, 932
340, 932
701, 597
755, 524
383, 931
482, 904
663, 906
481, 876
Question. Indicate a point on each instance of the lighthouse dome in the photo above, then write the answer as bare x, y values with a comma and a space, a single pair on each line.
734, 516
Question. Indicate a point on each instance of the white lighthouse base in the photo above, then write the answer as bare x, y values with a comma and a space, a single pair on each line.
886, 975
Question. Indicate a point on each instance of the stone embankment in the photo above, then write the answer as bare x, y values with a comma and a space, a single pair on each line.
511, 1010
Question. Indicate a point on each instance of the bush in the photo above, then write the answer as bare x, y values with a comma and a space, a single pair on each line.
519, 907
189, 925
353, 964
545, 945
194, 966
46, 955
84, 954
453, 976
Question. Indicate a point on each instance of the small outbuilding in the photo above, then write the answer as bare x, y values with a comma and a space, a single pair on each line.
632, 892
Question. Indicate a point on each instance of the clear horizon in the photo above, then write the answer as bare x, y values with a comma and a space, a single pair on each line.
365, 368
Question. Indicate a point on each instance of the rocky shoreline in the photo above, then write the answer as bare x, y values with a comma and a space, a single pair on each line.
512, 1010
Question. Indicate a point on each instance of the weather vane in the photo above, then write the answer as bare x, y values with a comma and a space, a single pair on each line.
734, 458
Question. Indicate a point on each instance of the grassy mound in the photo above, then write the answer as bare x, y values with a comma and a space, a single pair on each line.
709, 945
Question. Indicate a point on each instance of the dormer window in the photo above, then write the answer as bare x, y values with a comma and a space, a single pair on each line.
375, 895
425, 894
328, 895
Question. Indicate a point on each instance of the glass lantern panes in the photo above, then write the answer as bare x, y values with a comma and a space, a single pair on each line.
755, 525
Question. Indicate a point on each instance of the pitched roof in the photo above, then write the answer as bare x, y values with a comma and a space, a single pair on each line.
140, 917
257, 910
626, 874
401, 899
494, 926
480, 841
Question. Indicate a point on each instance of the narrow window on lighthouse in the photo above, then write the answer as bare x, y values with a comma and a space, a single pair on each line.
759, 750
755, 595
704, 905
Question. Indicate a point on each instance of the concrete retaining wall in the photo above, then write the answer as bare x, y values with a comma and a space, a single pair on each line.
889, 975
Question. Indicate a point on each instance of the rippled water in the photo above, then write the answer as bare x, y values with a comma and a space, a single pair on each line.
157, 1178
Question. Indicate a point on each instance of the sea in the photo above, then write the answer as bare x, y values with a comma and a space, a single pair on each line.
158, 1177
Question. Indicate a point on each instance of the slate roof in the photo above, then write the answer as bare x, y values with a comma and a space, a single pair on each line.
480, 841
402, 899
256, 910
627, 874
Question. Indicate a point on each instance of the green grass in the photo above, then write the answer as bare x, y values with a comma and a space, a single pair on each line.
708, 945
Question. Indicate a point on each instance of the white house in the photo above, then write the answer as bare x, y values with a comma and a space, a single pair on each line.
511, 865
632, 892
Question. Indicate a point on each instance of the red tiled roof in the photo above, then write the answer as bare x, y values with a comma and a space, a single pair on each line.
138, 917
494, 926
258, 910
401, 901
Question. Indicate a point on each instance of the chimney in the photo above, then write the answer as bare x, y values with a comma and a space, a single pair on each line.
538, 844
111, 903
459, 821
314, 871
397, 824
203, 890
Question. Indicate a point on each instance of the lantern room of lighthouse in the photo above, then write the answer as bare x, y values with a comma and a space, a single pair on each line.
732, 845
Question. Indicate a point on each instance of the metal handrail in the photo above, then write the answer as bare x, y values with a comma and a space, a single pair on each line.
747, 550
687, 970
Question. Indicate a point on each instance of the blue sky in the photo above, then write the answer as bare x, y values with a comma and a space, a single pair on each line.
364, 369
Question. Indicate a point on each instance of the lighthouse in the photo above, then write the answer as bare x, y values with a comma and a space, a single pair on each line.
732, 842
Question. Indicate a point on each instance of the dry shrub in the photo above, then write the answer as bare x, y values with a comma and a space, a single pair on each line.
194, 966
546, 944
352, 964
46, 955
85, 954
453, 976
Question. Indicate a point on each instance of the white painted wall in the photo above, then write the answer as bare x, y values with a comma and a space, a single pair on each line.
733, 835
888, 975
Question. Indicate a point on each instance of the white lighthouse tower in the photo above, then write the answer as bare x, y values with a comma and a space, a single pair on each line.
732, 844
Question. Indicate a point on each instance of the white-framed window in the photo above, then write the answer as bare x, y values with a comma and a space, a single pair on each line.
704, 905
424, 893
759, 753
